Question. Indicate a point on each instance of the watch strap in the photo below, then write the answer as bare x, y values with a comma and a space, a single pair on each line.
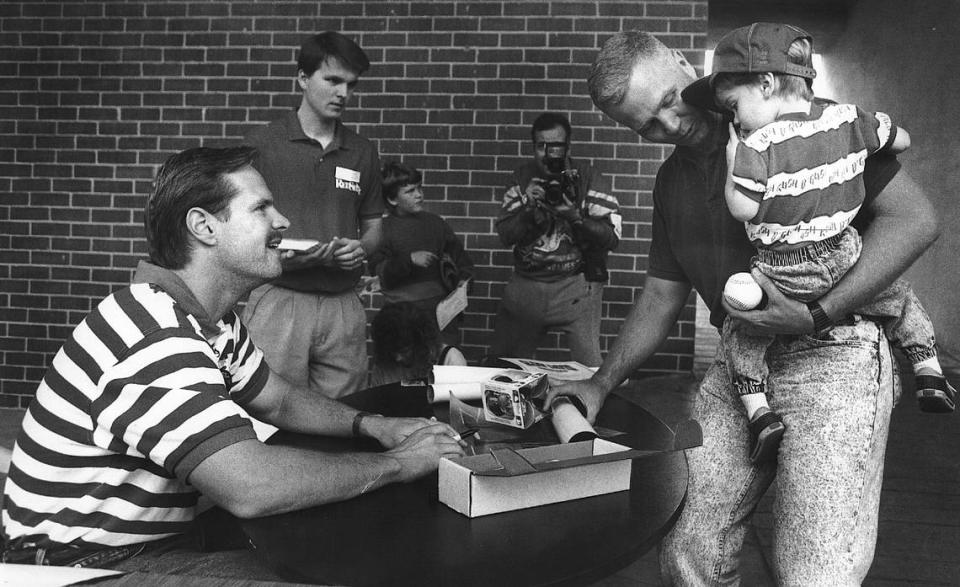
821, 322
356, 422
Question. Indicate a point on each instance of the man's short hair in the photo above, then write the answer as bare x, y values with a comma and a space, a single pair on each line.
331, 44
610, 74
394, 176
549, 120
195, 178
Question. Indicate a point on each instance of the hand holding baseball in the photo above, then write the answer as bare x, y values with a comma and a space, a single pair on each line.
742, 292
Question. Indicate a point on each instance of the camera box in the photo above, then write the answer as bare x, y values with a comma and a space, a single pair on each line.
514, 397
505, 480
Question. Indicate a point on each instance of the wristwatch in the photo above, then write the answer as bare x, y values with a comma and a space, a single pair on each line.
356, 422
821, 322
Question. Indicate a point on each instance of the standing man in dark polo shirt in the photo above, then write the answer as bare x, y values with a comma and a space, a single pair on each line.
829, 467
310, 321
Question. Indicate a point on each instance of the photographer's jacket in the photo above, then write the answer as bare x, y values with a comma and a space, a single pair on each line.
547, 247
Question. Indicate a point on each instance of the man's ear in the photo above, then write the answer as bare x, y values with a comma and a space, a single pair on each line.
682, 61
302, 79
201, 225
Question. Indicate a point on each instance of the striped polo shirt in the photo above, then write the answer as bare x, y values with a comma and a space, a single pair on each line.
806, 171
135, 399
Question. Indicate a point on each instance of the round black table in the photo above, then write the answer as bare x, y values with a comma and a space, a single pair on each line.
402, 535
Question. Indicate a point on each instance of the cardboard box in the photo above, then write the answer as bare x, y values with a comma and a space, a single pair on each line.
514, 397
505, 480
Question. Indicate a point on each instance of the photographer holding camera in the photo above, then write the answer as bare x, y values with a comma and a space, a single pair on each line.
561, 221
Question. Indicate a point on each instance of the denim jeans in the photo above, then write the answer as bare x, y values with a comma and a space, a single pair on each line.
807, 275
529, 308
835, 393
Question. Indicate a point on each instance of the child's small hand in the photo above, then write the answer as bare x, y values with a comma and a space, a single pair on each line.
732, 143
423, 258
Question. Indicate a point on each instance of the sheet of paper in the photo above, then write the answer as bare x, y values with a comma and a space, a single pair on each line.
452, 305
555, 370
298, 244
47, 576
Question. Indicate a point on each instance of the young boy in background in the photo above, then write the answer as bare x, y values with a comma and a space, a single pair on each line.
795, 180
420, 259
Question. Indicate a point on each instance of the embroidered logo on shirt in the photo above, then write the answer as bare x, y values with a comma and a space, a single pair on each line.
348, 179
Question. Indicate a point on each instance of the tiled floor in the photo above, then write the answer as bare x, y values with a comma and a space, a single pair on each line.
919, 510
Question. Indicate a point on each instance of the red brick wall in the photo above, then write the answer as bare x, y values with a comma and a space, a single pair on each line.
94, 95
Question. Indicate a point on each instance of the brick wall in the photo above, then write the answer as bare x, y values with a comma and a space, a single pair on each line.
94, 95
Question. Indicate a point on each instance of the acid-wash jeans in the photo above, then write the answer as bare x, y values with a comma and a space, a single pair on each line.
835, 392
808, 274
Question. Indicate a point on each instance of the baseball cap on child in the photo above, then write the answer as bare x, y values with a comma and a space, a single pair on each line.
758, 48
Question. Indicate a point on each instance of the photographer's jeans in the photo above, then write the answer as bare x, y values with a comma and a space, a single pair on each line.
530, 308
835, 393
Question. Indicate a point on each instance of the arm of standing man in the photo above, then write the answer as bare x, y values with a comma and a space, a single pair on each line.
646, 326
903, 227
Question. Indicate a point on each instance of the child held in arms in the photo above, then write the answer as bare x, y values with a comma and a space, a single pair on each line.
794, 177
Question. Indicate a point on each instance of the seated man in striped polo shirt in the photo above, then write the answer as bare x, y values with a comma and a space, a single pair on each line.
145, 406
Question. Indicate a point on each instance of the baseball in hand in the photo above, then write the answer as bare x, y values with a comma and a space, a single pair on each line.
742, 292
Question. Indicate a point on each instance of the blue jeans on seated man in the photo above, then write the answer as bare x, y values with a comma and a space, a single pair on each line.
835, 392
216, 547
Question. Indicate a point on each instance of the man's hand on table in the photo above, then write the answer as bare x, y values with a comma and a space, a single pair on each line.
591, 393
391, 432
421, 451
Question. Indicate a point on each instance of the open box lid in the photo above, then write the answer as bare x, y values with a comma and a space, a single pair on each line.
505, 462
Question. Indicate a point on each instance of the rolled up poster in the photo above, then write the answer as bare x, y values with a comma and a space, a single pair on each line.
440, 392
463, 374
569, 422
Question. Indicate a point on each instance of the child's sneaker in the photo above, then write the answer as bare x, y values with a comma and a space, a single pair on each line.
935, 394
767, 429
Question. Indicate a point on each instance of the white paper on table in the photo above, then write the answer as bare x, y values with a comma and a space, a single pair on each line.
48, 576
463, 373
453, 304
555, 370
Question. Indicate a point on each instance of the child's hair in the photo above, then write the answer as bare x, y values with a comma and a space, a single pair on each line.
394, 176
408, 331
800, 53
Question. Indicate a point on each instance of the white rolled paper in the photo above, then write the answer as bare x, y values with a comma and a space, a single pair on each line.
463, 374
440, 392
569, 422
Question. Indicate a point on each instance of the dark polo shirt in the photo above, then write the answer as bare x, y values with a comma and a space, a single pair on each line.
696, 240
323, 192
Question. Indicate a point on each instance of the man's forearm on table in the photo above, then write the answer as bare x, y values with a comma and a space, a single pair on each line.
298, 410
250, 479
